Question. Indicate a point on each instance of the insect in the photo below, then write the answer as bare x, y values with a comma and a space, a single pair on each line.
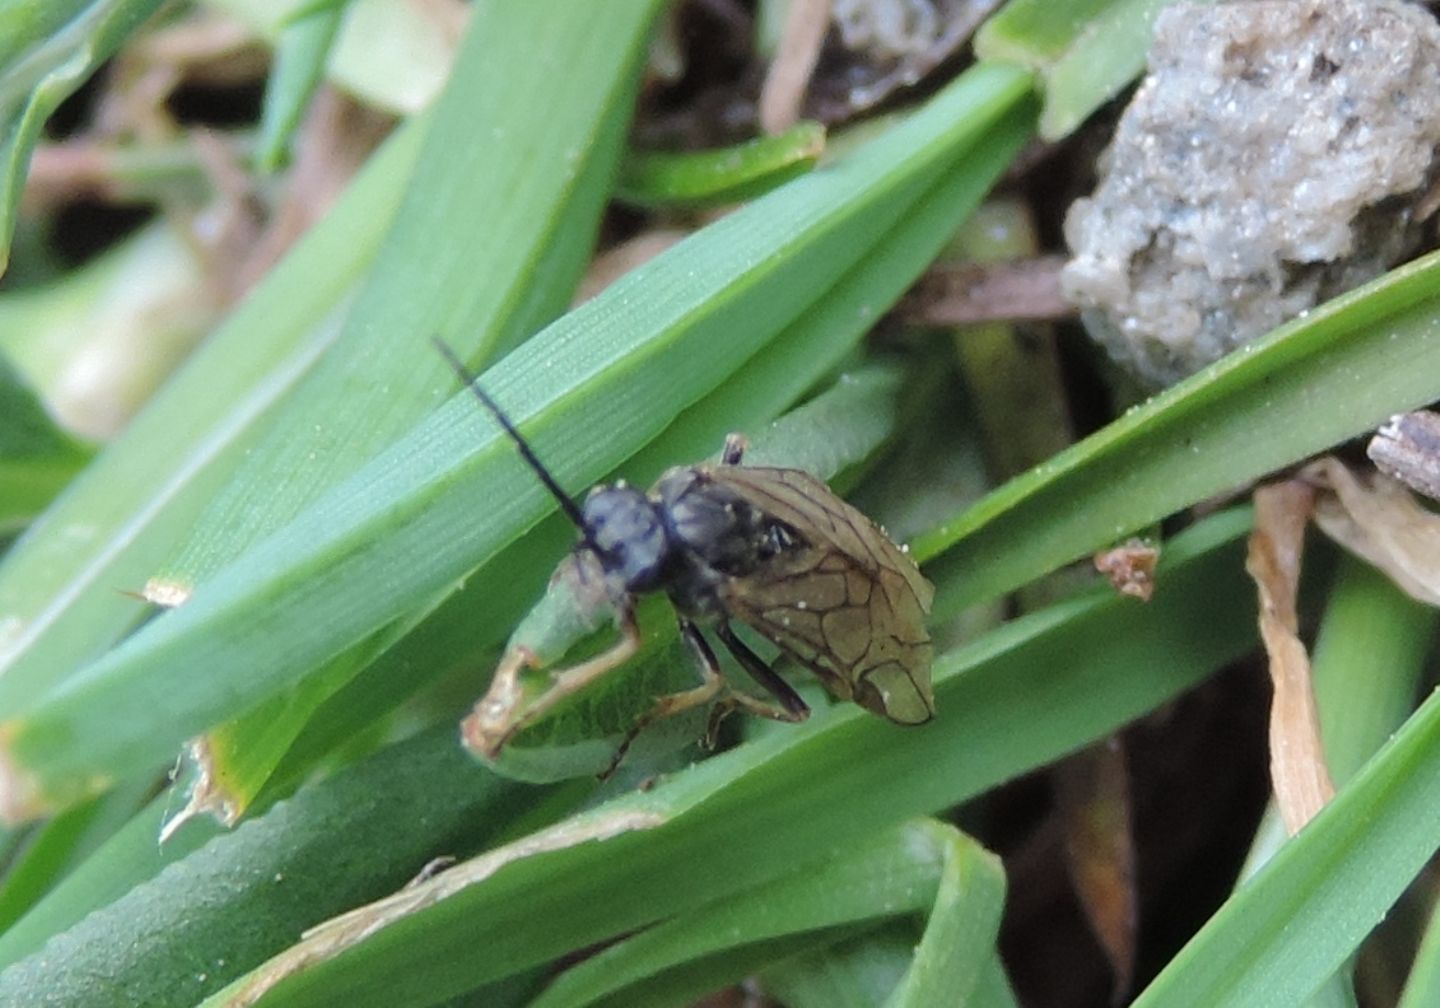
770, 547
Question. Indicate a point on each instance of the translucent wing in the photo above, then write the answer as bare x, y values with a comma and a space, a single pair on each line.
846, 602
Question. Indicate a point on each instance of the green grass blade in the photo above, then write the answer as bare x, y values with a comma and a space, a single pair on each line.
392, 57
453, 492
1312, 383
47, 50
914, 868
96, 341
858, 972
236, 761
56, 847
485, 278
185, 933
1422, 986
711, 973
37, 458
1023, 695
960, 933
301, 52
1085, 51
60, 585
994, 990
128, 858
1367, 664
728, 175
486, 247
1291, 926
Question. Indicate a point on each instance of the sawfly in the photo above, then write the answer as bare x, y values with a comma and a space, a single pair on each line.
770, 547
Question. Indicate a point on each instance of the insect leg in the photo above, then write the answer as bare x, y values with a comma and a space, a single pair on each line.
791, 708
499, 714
675, 703
734, 449
711, 679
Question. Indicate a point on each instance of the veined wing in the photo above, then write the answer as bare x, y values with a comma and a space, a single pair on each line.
847, 603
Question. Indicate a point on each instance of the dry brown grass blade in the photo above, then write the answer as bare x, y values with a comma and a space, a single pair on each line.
783, 93
1297, 759
1094, 799
968, 293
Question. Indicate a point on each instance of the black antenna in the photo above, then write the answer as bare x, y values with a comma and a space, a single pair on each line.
470, 381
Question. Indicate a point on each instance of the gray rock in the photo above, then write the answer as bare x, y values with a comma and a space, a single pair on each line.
1277, 154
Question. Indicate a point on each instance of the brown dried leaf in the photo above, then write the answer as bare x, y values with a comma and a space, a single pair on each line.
1379, 520
1297, 760
1094, 801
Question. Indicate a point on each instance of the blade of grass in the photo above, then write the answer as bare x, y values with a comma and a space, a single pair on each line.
960, 933
99, 339
189, 930
37, 458
1368, 661
60, 601
1278, 938
301, 52
56, 847
47, 50
863, 971
392, 57
129, 857
994, 990
858, 972
519, 223
1422, 986
708, 974
673, 328
1085, 51
728, 175
1023, 695
519, 220
1314, 382
920, 866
